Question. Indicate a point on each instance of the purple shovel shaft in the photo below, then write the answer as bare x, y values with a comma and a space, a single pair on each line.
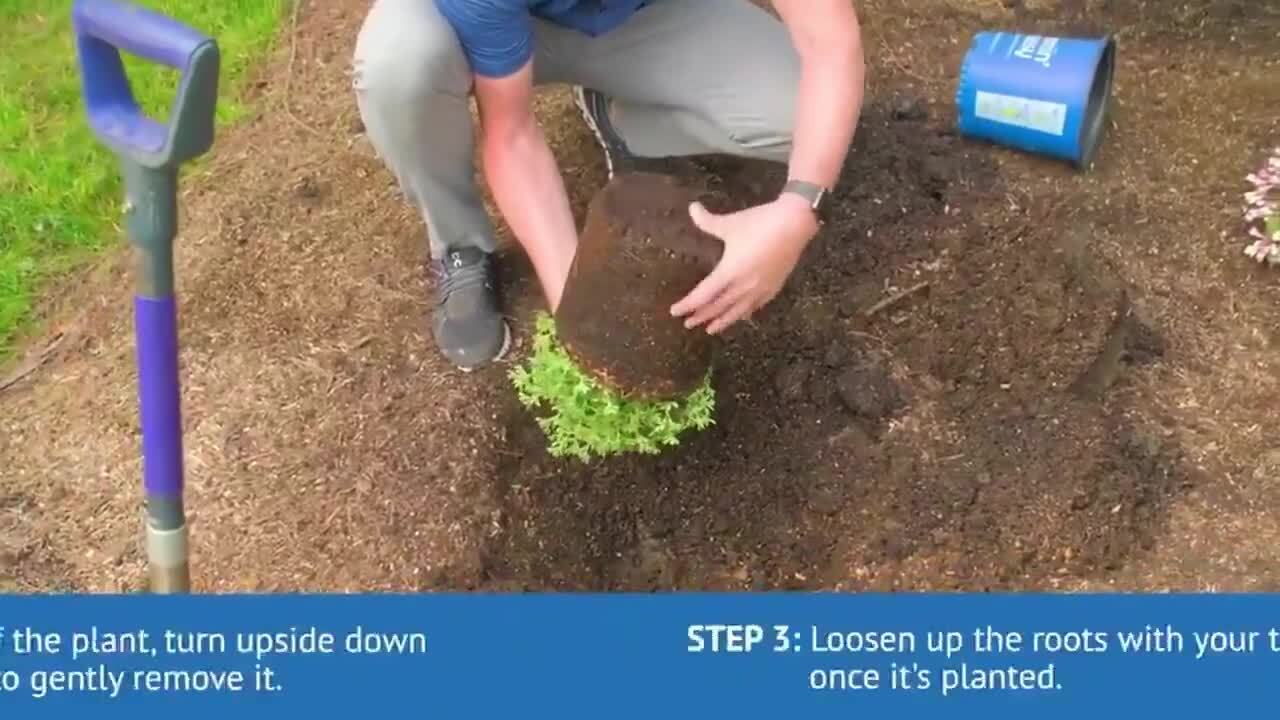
159, 395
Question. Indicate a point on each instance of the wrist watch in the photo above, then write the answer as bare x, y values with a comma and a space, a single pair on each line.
816, 195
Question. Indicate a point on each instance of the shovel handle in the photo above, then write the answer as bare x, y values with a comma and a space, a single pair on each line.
139, 31
105, 27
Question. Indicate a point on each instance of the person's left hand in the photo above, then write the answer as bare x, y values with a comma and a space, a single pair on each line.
762, 245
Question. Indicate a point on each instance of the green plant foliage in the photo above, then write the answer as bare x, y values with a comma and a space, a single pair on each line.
583, 419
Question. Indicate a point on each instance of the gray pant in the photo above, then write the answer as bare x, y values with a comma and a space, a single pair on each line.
687, 77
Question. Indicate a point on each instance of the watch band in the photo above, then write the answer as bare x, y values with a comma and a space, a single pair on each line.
815, 194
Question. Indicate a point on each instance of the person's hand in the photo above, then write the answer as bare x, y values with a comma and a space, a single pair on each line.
762, 245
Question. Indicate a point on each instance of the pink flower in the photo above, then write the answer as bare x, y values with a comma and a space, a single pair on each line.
1263, 208
1264, 251
1260, 212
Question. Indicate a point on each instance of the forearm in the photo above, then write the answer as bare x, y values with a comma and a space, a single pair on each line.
828, 105
525, 181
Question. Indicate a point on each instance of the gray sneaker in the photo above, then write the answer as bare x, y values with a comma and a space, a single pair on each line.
594, 107
468, 327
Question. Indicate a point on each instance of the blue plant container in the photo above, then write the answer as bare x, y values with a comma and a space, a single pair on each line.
1040, 94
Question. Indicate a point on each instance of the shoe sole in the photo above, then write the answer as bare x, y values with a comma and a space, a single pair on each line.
502, 353
580, 99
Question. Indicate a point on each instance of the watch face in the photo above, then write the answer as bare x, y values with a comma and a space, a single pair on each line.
815, 194
821, 206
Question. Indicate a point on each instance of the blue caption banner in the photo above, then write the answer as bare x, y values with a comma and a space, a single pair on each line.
592, 656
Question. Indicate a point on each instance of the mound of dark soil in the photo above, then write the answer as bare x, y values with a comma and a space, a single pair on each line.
936, 401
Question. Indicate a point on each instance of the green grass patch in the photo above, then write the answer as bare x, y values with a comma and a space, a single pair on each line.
60, 191
583, 419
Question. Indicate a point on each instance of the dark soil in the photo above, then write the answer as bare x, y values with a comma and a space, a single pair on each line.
638, 255
974, 418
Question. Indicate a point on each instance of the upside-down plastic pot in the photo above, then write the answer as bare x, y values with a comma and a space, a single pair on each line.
639, 254
1039, 94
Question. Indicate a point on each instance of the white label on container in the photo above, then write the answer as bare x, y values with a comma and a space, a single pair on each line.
1046, 117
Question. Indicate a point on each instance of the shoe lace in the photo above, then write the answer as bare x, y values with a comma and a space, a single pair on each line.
454, 273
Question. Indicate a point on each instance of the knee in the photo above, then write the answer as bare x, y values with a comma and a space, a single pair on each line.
776, 121
406, 50
766, 125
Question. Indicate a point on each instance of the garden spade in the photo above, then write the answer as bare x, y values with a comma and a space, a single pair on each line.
150, 153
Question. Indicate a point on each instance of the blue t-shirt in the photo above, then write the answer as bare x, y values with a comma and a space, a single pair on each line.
497, 35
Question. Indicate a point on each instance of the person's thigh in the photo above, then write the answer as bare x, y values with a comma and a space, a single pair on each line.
407, 47
559, 53
729, 61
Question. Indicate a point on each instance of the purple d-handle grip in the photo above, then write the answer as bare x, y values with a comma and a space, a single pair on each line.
159, 395
137, 30
102, 29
